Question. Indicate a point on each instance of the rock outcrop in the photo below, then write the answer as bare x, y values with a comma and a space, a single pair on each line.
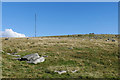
33, 58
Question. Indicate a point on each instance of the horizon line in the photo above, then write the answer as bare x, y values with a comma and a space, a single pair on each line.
57, 35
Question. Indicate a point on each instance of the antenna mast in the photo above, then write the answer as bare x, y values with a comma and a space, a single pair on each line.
35, 24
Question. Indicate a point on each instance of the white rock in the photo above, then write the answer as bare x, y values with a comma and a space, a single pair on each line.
42, 59
1, 51
74, 71
8, 53
16, 55
39, 60
16, 58
31, 56
60, 72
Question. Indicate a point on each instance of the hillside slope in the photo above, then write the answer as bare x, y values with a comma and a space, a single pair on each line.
91, 56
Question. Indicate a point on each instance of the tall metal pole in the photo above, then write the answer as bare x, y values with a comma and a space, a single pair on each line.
35, 24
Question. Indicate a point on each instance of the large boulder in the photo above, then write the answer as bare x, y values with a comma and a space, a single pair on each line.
33, 58
30, 57
38, 60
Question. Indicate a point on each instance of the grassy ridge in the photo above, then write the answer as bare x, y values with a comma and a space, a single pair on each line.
95, 58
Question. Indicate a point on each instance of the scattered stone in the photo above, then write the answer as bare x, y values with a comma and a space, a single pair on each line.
1, 51
70, 48
106, 40
8, 53
45, 56
16, 55
74, 71
91, 39
95, 38
6, 38
113, 40
60, 72
13, 53
16, 58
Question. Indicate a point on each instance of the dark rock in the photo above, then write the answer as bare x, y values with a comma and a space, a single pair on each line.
6, 38
91, 33
70, 48
113, 40
45, 56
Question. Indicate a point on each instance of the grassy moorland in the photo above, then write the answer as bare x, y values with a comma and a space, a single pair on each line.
90, 55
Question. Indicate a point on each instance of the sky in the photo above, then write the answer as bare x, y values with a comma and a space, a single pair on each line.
59, 18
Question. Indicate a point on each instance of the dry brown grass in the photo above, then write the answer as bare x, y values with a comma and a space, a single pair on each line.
91, 57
